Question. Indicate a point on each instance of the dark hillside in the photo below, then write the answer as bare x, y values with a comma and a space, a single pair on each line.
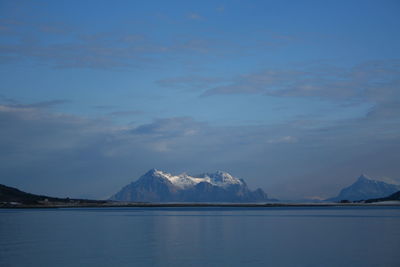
11, 194
392, 197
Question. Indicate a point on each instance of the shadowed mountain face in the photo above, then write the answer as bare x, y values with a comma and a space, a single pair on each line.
392, 197
158, 186
366, 188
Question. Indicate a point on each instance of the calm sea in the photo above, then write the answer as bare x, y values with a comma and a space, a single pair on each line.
357, 236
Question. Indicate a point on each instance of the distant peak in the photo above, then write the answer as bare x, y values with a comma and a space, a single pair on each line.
153, 170
363, 177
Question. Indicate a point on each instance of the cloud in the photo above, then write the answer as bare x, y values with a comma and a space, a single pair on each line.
257, 83
169, 127
73, 49
101, 50
69, 55
283, 139
59, 45
194, 16
55, 28
389, 110
7, 26
104, 107
365, 81
375, 83
220, 9
12, 103
125, 113
132, 38
189, 82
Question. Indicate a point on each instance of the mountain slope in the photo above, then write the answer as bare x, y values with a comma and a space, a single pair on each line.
365, 188
11, 194
392, 197
158, 186
151, 187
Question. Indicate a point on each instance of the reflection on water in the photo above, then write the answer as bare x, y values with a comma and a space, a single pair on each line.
330, 236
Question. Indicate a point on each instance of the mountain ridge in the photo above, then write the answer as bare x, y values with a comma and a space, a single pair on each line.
159, 186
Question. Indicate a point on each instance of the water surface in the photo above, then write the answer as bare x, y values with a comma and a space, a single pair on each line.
327, 236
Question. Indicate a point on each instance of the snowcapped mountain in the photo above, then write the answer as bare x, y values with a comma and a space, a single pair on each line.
366, 188
159, 186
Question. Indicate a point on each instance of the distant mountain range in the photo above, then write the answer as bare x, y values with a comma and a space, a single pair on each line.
159, 186
365, 188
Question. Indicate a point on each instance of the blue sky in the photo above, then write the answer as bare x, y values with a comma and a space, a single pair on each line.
296, 97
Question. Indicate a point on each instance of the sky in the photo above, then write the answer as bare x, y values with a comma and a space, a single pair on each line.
296, 97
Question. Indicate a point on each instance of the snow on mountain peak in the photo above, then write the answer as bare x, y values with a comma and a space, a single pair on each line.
183, 181
221, 178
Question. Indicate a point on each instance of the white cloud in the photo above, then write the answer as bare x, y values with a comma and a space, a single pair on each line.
194, 16
283, 139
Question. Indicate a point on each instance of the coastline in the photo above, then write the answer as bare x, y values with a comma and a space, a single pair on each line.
195, 205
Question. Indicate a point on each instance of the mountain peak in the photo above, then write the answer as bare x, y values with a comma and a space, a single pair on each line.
155, 172
363, 177
366, 188
151, 171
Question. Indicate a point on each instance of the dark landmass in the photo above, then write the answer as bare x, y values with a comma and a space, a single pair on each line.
392, 197
13, 197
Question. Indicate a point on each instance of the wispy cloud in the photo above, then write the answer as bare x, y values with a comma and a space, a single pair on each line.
364, 81
123, 113
62, 46
101, 50
105, 107
194, 16
220, 9
283, 139
13, 103
189, 82
169, 127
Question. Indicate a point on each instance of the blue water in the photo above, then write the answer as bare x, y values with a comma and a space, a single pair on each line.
200, 237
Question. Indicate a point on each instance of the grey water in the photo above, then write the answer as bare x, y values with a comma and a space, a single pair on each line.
330, 236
